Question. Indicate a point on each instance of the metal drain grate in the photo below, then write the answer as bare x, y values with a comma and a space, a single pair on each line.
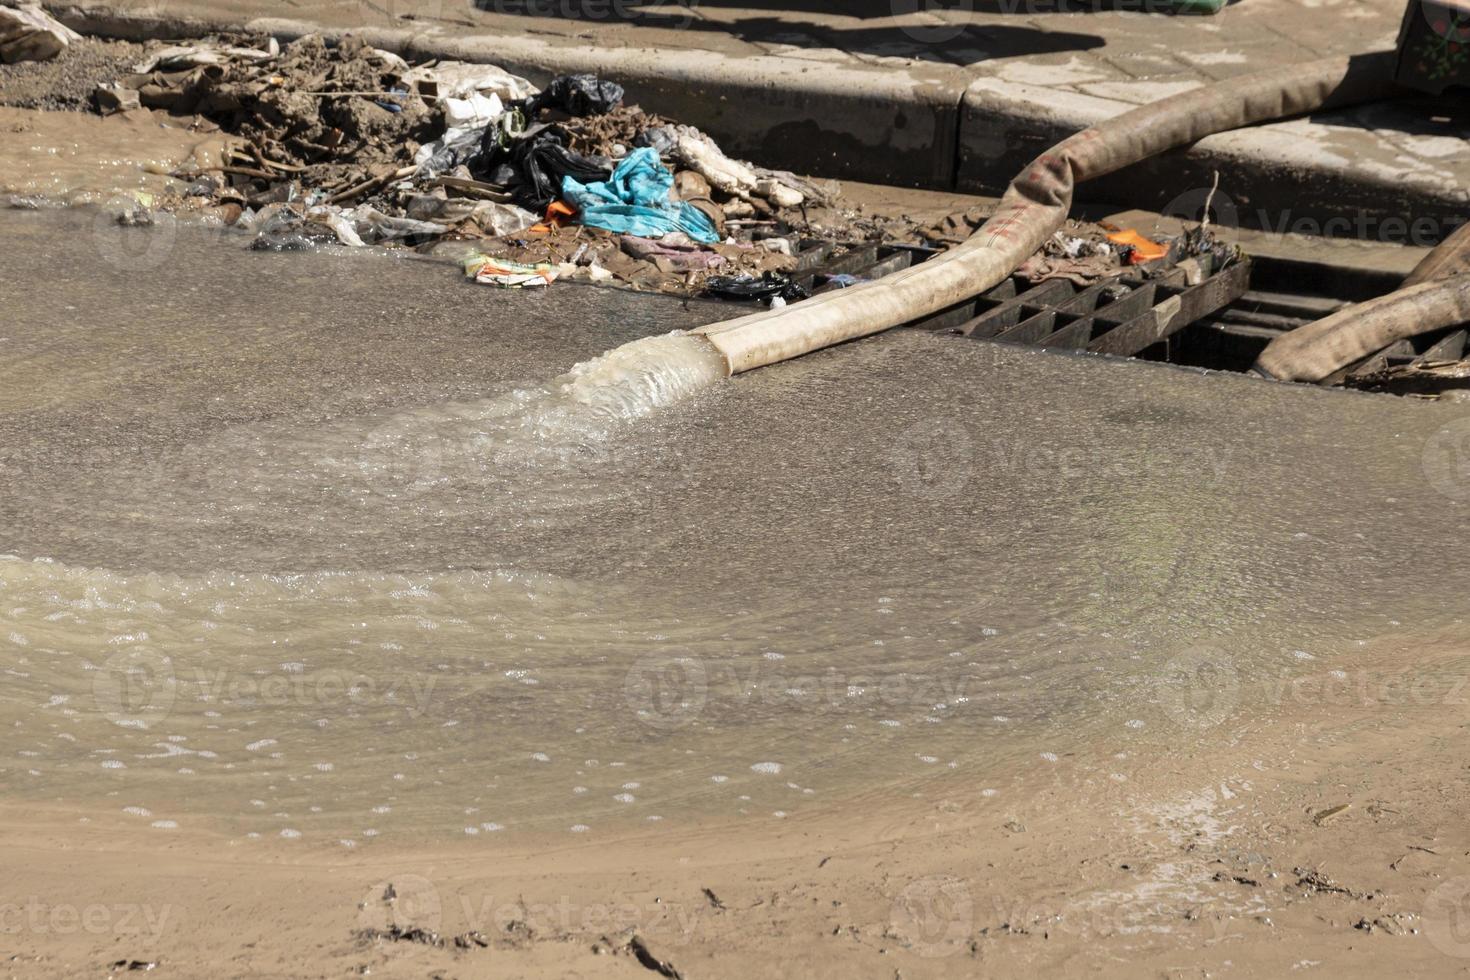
1123, 315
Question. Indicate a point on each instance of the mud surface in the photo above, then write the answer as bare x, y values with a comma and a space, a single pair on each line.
68, 80
50, 159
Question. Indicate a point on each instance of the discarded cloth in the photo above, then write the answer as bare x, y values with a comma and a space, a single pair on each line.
577, 95
636, 201
508, 275
695, 150
28, 33
286, 227
1083, 271
955, 228
469, 217
675, 253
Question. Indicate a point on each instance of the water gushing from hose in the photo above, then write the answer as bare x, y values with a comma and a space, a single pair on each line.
569, 421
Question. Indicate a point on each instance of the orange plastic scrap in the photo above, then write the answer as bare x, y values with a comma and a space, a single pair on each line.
1143, 249
560, 213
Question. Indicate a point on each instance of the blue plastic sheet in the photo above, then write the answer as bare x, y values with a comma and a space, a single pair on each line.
635, 201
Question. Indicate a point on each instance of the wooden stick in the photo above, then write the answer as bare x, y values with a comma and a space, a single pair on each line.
266, 161
370, 184
243, 171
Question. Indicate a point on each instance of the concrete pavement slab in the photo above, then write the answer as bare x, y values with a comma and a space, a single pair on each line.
1367, 161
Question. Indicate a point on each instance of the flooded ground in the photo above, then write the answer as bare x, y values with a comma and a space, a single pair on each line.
325, 552
79, 158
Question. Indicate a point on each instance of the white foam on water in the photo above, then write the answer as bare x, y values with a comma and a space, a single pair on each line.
567, 419
638, 377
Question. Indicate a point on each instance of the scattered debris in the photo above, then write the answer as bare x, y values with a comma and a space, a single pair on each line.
1140, 249
1394, 866
508, 275
1080, 253
1323, 817
714, 900
132, 966
418, 935
1394, 924
471, 940
772, 288
645, 956
1312, 882
343, 144
396, 933
1412, 374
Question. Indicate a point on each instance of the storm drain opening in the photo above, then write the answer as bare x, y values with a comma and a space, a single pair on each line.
1217, 310
1115, 316
1205, 304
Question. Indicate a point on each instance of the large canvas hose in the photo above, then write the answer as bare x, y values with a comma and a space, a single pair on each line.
1434, 296
1036, 204
1450, 257
1313, 352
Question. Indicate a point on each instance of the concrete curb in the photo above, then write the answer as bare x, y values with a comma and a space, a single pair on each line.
1280, 172
924, 128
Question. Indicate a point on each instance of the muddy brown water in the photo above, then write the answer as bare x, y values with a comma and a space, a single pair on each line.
325, 548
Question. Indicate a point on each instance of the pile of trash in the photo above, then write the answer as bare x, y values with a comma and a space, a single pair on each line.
348, 144
343, 144
1085, 253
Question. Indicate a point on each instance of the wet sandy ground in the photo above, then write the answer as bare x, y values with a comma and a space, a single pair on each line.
1324, 838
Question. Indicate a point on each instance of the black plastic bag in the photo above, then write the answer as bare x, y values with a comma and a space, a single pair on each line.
577, 95
662, 139
537, 163
747, 287
460, 151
